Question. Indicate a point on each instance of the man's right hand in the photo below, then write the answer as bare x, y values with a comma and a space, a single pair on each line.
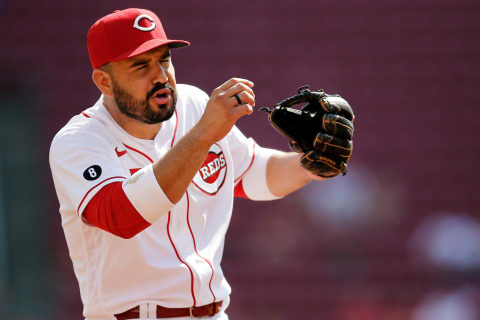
176, 169
223, 110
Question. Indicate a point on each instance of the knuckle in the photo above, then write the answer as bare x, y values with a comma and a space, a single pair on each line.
240, 86
222, 96
248, 98
243, 85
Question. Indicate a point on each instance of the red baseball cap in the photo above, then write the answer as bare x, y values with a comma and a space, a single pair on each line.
126, 33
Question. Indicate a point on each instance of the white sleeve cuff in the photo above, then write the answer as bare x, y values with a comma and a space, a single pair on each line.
255, 179
146, 195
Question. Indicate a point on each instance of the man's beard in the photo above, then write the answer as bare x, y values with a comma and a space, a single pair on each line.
140, 109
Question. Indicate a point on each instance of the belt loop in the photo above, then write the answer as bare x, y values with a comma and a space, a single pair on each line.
143, 308
151, 311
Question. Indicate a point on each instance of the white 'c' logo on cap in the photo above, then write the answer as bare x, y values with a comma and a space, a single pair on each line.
144, 16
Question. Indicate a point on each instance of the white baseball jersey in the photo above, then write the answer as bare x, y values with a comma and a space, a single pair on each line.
175, 262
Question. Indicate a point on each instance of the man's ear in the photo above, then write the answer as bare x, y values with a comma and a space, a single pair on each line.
103, 81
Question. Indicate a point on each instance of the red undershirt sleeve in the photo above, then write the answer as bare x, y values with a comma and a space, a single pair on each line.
238, 191
111, 211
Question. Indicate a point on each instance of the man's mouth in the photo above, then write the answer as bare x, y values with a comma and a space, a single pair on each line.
162, 96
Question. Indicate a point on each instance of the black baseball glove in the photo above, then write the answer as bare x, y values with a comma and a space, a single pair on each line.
322, 130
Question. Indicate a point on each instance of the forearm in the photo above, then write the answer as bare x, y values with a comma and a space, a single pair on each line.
285, 174
176, 169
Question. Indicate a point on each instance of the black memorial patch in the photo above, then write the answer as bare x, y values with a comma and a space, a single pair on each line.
92, 172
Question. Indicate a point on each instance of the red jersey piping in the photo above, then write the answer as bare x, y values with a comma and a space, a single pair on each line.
175, 131
180, 259
195, 246
250, 165
139, 152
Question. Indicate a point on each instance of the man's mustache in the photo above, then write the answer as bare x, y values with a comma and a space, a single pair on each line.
159, 86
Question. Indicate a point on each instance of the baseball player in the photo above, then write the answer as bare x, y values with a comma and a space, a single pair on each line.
146, 178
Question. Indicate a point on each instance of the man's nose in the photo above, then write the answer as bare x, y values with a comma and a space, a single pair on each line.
160, 74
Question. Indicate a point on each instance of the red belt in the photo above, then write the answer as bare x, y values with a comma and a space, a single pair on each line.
162, 312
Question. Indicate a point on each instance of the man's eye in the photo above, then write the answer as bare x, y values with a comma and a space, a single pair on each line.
142, 67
